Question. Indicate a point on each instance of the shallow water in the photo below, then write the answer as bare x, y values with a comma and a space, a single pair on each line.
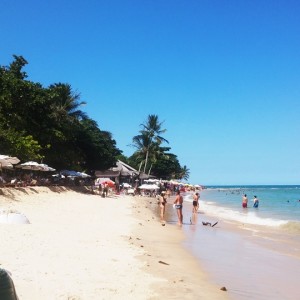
255, 253
278, 205
246, 269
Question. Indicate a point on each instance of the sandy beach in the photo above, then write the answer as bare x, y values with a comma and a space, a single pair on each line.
82, 246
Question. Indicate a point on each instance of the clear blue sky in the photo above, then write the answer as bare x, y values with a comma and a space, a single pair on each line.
224, 76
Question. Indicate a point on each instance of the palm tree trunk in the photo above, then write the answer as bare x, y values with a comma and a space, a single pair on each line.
146, 161
140, 166
150, 169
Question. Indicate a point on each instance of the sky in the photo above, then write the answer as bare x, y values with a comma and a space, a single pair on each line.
222, 76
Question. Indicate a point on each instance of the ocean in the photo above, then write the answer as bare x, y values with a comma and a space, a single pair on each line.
279, 206
253, 252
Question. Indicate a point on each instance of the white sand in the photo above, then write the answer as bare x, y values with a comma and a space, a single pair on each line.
82, 246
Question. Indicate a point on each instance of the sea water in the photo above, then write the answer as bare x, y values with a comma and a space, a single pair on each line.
259, 264
279, 206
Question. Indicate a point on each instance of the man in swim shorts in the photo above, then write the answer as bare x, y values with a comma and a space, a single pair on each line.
244, 201
256, 201
178, 205
196, 202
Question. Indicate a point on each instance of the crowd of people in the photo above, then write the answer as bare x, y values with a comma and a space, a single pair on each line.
177, 204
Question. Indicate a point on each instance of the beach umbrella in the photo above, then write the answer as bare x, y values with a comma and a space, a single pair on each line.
174, 182
102, 180
59, 176
126, 185
7, 161
46, 168
8, 217
30, 165
6, 165
105, 180
148, 187
110, 183
151, 180
70, 173
84, 175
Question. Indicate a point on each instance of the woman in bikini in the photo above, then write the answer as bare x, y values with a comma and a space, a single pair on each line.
178, 205
162, 205
196, 202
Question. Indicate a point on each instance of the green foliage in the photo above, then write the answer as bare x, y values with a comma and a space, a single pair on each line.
99, 149
167, 167
148, 143
149, 140
38, 123
28, 148
47, 123
24, 147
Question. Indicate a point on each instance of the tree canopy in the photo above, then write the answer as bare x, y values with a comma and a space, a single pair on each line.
38, 123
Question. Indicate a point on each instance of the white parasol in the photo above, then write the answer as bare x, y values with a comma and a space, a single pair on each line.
148, 187
13, 217
30, 165
46, 168
7, 161
70, 173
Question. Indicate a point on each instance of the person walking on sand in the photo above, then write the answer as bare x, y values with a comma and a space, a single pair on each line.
245, 201
105, 190
196, 202
178, 205
162, 205
256, 202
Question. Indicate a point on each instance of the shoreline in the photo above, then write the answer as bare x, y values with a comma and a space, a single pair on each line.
83, 246
166, 255
252, 261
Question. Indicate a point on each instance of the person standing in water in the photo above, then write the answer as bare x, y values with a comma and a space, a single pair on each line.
178, 205
196, 202
245, 201
256, 202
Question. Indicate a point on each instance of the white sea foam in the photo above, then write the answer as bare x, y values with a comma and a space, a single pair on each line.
246, 217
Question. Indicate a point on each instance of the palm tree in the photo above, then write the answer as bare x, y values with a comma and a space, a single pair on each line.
142, 143
65, 103
184, 173
157, 152
152, 131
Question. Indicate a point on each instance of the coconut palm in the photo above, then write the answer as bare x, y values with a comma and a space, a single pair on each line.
150, 137
65, 103
142, 143
184, 173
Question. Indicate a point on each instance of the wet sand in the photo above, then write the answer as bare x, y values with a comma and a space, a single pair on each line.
253, 262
